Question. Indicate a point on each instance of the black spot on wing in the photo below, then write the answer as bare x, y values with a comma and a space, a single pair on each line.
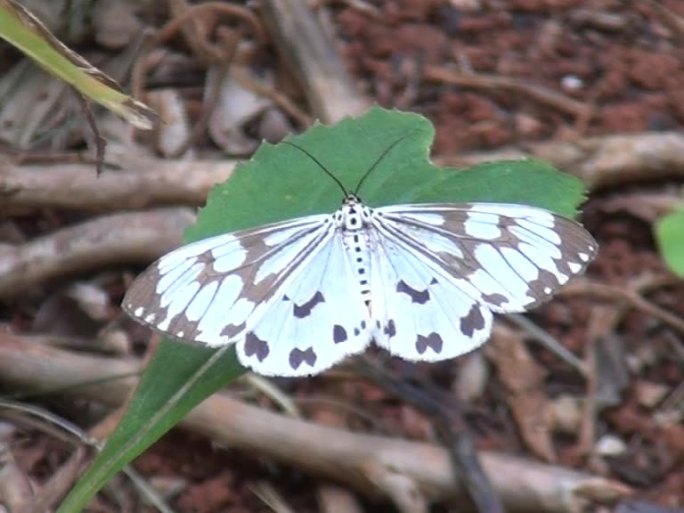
433, 341
495, 299
339, 334
473, 321
230, 330
297, 357
255, 346
417, 296
390, 329
304, 310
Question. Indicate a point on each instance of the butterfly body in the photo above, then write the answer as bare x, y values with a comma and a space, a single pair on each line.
353, 224
422, 281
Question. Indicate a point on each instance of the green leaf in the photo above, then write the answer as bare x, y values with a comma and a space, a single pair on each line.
669, 232
282, 182
178, 377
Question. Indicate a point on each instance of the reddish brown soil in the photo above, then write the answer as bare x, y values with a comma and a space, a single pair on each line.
620, 59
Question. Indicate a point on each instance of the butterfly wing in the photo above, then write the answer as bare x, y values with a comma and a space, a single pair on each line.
207, 290
313, 321
439, 271
275, 291
509, 257
419, 310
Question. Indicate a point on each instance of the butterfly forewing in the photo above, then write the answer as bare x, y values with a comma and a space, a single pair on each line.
508, 257
206, 291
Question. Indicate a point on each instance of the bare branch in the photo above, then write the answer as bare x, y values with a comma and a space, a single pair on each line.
601, 161
137, 237
77, 186
352, 458
313, 58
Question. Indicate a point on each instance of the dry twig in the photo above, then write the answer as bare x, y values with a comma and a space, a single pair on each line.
75, 186
601, 161
523, 380
16, 492
509, 84
351, 458
632, 296
111, 240
313, 59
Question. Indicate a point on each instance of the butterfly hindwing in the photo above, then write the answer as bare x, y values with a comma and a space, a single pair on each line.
511, 257
419, 310
313, 321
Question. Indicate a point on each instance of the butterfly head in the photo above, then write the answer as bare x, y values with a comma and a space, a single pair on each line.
353, 215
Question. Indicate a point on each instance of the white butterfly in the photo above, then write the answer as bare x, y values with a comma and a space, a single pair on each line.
422, 281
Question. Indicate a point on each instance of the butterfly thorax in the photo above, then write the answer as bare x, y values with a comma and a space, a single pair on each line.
353, 221
353, 216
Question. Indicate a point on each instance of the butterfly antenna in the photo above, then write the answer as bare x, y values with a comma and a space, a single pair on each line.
325, 169
377, 161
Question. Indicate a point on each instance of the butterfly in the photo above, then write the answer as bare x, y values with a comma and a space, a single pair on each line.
420, 280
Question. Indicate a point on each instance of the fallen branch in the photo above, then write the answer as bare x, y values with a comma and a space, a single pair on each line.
630, 295
598, 161
312, 57
137, 237
361, 461
601, 161
514, 85
76, 185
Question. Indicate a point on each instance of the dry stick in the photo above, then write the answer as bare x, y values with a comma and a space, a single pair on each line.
603, 321
184, 13
601, 161
335, 499
246, 80
46, 496
632, 297
152, 181
446, 416
202, 47
548, 341
16, 492
220, 55
230, 44
313, 58
99, 141
62, 480
669, 17
271, 497
361, 461
142, 184
112, 240
510, 84
598, 161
